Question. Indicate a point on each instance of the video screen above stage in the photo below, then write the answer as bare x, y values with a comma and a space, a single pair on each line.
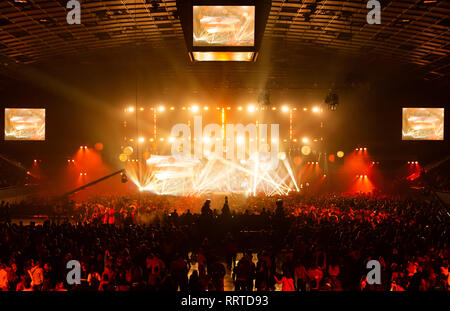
24, 124
224, 26
423, 124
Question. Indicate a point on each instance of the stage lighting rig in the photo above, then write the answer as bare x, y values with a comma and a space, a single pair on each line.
264, 98
332, 100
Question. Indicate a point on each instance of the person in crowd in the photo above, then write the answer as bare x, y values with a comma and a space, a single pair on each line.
37, 275
286, 281
243, 274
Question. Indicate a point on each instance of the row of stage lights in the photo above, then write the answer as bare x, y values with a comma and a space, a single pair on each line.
239, 140
249, 108
413, 162
361, 176
361, 149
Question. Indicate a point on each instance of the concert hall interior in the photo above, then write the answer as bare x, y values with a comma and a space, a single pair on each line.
224, 145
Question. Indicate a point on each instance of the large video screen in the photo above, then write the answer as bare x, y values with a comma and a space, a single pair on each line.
24, 124
423, 124
224, 26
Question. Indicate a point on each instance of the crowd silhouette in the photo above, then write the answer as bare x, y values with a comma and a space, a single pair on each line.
294, 243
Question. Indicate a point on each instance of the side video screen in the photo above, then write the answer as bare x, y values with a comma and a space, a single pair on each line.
24, 124
423, 124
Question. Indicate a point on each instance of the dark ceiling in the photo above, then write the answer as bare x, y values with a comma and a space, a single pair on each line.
411, 32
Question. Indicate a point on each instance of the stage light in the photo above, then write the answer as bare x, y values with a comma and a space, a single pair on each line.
130, 109
317, 162
274, 108
205, 108
81, 174
152, 140
171, 139
194, 109
206, 140
81, 147
141, 139
294, 140
365, 149
161, 139
98, 146
409, 162
417, 162
85, 174
240, 139
35, 161
274, 140
161, 108
251, 108
228, 108
340, 154
123, 157
357, 149
365, 176
285, 108
128, 150
305, 140
282, 156
146, 155
239, 108
306, 150
316, 109
172, 108
141, 109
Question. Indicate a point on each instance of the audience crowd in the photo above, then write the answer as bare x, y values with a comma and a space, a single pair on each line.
320, 243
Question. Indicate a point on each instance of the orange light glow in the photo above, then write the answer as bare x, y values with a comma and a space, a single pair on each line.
223, 56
